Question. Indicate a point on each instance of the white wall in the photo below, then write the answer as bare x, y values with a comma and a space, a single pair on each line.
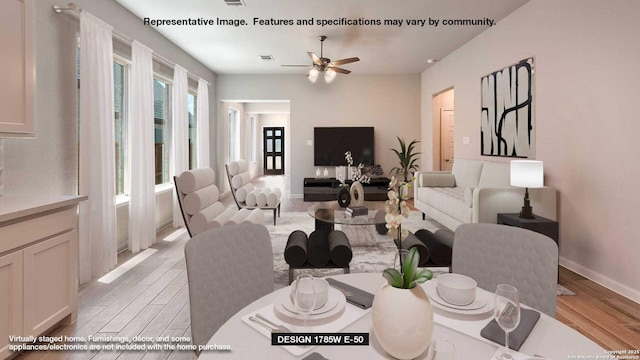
389, 103
586, 91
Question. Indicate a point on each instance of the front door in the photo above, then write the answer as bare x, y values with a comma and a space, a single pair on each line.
273, 150
446, 140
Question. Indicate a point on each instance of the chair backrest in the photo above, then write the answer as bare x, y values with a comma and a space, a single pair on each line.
196, 191
227, 268
498, 254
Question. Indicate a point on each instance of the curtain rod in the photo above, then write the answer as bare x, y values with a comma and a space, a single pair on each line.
75, 11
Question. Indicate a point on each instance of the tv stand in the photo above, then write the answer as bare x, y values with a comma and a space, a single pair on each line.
326, 189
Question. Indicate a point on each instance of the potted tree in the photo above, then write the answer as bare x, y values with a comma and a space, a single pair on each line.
407, 159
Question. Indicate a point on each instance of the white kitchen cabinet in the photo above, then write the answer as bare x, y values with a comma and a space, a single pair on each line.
17, 68
11, 299
38, 265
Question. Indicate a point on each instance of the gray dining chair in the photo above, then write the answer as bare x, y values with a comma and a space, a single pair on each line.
227, 269
498, 254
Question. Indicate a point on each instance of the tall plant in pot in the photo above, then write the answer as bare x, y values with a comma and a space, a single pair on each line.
402, 316
407, 160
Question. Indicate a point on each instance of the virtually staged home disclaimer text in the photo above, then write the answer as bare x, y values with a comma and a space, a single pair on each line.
109, 343
430, 22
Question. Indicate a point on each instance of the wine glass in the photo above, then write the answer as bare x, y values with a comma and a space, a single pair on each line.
506, 311
400, 254
304, 296
442, 350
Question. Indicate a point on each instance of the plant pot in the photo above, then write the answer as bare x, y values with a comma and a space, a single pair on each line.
402, 320
344, 197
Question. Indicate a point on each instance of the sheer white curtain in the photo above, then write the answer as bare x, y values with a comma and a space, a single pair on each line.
142, 200
180, 132
97, 226
202, 129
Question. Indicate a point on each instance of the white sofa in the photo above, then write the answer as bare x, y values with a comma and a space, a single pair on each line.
475, 191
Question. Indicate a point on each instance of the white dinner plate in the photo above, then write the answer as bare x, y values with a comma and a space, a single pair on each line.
335, 304
482, 304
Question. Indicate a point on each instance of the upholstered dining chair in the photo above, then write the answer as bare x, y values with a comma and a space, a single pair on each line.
498, 254
227, 269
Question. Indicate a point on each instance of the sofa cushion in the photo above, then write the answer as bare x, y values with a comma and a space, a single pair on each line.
447, 200
467, 172
495, 175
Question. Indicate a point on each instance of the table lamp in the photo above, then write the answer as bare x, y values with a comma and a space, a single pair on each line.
527, 174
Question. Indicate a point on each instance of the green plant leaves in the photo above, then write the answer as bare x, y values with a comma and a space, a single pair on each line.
410, 266
407, 159
394, 278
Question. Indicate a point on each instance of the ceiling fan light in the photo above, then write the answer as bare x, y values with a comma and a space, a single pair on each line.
313, 75
329, 75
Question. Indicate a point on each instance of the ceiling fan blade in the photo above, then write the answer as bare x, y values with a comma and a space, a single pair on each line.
297, 65
344, 61
340, 70
315, 58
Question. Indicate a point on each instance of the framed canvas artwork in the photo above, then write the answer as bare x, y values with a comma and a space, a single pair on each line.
507, 116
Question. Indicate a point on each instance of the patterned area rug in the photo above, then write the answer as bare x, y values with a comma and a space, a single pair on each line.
370, 259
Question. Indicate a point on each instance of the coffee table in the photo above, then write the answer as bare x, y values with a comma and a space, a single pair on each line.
359, 229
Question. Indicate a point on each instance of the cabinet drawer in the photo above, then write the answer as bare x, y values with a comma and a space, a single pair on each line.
39, 227
50, 282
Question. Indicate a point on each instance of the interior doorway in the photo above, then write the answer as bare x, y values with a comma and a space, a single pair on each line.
273, 150
447, 125
443, 126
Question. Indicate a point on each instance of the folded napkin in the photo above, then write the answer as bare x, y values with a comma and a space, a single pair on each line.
528, 319
314, 356
355, 296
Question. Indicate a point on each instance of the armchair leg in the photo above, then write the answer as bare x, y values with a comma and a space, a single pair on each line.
274, 217
290, 275
423, 217
279, 210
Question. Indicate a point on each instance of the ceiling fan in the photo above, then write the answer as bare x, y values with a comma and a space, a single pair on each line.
324, 65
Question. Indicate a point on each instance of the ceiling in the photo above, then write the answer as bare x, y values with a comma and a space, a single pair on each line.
381, 49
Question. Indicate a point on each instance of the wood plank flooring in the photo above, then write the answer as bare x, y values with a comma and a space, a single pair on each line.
151, 299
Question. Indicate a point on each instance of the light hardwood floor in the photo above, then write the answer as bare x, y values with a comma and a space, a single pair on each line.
151, 299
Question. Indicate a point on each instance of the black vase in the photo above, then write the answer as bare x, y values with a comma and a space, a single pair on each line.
344, 197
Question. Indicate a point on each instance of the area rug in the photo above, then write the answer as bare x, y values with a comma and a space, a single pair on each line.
370, 259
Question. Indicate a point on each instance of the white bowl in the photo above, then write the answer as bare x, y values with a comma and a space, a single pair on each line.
321, 288
457, 289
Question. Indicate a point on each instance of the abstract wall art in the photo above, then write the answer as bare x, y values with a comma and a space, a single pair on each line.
507, 116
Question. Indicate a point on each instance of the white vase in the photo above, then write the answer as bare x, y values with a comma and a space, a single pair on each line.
402, 320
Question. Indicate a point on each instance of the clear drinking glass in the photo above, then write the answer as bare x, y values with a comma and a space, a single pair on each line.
304, 296
442, 350
506, 311
402, 253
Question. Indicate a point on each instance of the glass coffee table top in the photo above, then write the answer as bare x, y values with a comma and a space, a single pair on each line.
337, 215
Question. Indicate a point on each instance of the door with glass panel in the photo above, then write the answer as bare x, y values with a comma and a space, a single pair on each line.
273, 158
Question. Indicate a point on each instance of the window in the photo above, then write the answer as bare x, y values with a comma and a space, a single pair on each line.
254, 140
119, 105
162, 129
234, 135
192, 102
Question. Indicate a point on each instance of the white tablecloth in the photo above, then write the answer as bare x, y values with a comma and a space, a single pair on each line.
549, 338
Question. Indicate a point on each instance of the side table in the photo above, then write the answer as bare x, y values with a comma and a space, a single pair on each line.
540, 224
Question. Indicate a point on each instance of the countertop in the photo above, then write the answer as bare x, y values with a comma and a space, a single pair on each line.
17, 206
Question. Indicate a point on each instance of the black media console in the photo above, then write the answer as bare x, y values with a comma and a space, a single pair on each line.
326, 189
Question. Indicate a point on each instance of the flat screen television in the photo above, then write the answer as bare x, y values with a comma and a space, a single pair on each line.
330, 144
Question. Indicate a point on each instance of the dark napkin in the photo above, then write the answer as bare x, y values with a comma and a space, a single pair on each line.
528, 319
314, 356
355, 296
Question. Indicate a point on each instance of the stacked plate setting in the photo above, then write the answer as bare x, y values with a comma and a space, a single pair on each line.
458, 294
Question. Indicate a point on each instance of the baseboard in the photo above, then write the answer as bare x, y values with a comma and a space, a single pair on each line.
624, 290
296, 196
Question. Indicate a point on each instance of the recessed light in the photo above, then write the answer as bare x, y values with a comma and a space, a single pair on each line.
431, 61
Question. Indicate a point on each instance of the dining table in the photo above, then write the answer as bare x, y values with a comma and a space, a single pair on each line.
549, 338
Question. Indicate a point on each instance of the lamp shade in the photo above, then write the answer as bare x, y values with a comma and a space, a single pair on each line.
313, 75
527, 173
329, 75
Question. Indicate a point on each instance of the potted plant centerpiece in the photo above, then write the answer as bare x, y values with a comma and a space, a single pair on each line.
402, 315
